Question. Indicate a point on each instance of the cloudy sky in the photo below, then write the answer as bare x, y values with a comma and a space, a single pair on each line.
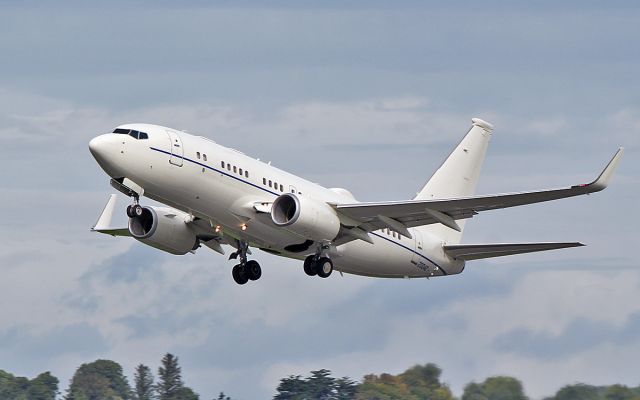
362, 95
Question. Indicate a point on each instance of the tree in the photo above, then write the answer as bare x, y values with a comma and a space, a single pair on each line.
383, 387
43, 387
222, 396
291, 388
473, 391
495, 388
143, 381
619, 392
577, 392
345, 389
320, 385
423, 381
170, 385
99, 380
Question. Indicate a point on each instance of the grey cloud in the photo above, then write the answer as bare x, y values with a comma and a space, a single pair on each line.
25, 344
579, 336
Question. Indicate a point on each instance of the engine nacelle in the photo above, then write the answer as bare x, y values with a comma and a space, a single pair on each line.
306, 217
164, 229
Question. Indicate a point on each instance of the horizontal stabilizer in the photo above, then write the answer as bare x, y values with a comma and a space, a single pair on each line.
477, 251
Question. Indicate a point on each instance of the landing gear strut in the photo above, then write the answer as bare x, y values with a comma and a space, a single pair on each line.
247, 269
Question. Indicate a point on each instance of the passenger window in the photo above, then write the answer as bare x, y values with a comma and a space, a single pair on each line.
222, 163
281, 188
204, 157
270, 183
246, 173
235, 170
229, 167
142, 135
198, 155
240, 171
264, 181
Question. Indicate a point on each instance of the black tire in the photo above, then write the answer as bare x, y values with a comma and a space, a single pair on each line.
136, 209
324, 266
130, 211
239, 275
254, 272
310, 266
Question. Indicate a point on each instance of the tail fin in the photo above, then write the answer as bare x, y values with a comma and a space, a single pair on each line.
458, 176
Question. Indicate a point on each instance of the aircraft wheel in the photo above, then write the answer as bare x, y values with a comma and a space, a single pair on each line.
130, 213
239, 275
324, 266
254, 272
136, 210
310, 266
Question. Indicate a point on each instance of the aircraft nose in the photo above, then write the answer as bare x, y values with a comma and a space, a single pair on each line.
99, 147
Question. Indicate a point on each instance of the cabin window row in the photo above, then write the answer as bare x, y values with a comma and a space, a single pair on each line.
234, 169
272, 184
204, 156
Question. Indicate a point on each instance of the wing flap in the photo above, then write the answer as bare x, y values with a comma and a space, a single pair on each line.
478, 251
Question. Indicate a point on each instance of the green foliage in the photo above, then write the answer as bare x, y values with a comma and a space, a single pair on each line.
495, 388
619, 392
416, 383
143, 381
99, 380
577, 392
43, 387
319, 386
170, 385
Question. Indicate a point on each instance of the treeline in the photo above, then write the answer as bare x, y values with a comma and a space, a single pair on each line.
105, 380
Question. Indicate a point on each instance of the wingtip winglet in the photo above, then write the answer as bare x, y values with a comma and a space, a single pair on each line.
605, 176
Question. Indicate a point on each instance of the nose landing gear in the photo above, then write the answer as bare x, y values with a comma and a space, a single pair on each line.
135, 209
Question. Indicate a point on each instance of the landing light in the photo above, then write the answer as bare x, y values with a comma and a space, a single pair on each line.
244, 227
218, 229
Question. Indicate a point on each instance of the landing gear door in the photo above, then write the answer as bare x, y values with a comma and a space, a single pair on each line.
417, 236
177, 152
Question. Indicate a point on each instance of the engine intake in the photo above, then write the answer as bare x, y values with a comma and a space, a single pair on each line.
305, 217
164, 229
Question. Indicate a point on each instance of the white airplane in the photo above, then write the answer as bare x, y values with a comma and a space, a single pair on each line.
217, 195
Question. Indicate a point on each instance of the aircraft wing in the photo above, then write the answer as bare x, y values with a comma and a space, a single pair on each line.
399, 215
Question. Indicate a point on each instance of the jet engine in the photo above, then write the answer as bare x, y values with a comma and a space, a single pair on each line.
164, 229
306, 217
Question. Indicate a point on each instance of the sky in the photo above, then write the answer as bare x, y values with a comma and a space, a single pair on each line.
370, 96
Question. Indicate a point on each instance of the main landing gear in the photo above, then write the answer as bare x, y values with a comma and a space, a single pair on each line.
247, 269
318, 265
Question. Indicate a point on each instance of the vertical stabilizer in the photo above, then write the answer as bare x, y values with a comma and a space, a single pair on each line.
458, 176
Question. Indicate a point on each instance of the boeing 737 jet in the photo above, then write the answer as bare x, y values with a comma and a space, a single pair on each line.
214, 196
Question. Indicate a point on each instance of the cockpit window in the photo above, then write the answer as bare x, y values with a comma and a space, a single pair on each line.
133, 133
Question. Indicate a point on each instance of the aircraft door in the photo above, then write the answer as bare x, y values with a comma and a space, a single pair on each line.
177, 152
